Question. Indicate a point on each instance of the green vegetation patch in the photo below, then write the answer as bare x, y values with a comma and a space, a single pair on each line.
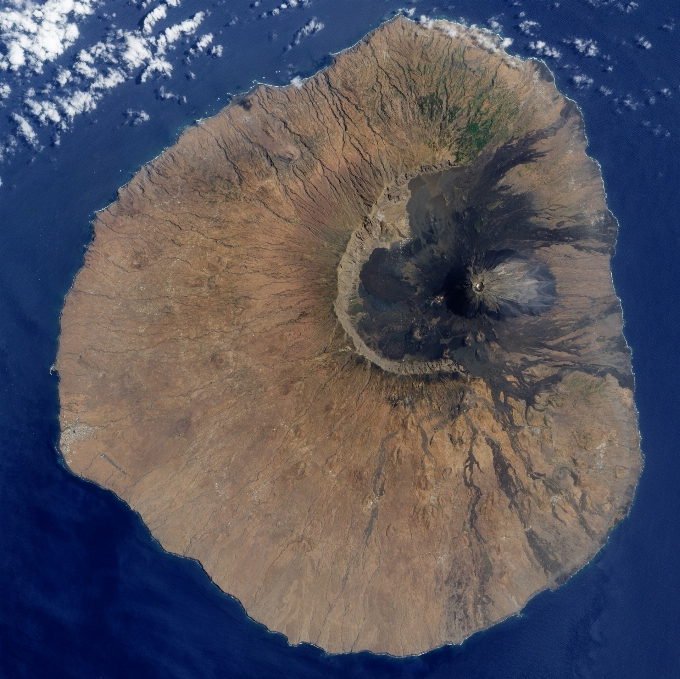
461, 124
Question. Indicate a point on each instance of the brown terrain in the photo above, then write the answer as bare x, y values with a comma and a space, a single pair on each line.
366, 460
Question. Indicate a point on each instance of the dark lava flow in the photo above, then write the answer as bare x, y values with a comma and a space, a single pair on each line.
472, 271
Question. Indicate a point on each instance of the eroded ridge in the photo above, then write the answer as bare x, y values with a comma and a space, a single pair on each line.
354, 345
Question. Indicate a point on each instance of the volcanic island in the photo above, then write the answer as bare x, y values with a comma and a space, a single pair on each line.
353, 345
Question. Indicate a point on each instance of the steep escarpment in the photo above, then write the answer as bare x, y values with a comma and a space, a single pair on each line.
354, 345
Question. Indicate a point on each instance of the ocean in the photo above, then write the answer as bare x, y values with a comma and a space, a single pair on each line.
86, 591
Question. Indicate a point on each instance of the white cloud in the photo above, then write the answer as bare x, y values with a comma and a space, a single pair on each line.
164, 94
642, 42
63, 76
311, 27
25, 131
136, 51
109, 63
153, 17
544, 50
527, 27
108, 80
582, 81
289, 4
450, 30
584, 46
45, 111
485, 38
630, 103
78, 102
175, 32
627, 7
82, 67
34, 33
156, 66
495, 25
202, 43
136, 117
9, 147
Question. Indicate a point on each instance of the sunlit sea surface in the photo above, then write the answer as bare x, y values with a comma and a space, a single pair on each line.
85, 590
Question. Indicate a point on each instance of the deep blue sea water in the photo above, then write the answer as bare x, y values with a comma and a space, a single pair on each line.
84, 589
